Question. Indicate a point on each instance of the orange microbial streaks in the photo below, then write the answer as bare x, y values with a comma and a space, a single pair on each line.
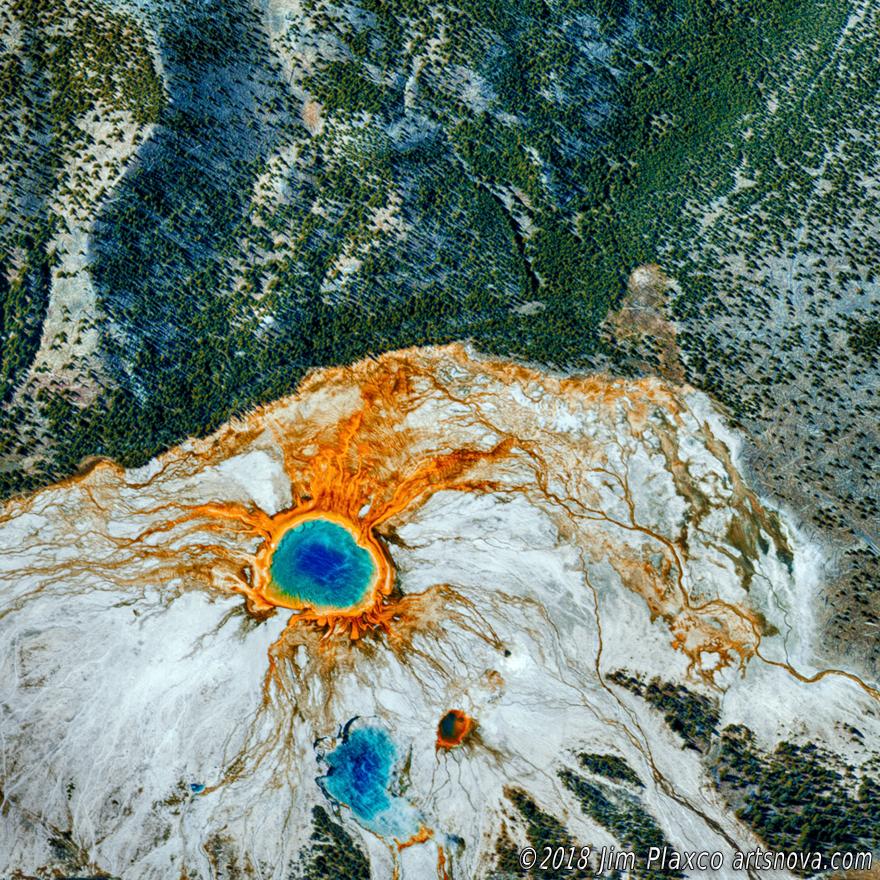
423, 835
608, 461
442, 873
357, 472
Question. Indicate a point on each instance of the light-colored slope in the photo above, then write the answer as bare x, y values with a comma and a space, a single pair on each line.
545, 532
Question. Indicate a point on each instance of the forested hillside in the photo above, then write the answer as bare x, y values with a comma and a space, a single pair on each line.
201, 201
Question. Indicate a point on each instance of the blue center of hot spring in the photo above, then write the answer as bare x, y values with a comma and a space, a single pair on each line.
320, 564
360, 772
361, 775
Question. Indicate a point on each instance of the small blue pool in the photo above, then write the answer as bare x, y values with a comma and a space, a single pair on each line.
320, 563
361, 772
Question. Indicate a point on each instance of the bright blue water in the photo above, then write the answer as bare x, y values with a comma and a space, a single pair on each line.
361, 770
320, 563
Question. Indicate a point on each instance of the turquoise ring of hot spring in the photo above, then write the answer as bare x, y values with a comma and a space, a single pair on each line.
320, 562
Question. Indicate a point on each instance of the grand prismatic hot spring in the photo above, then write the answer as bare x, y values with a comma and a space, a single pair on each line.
320, 564
399, 623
